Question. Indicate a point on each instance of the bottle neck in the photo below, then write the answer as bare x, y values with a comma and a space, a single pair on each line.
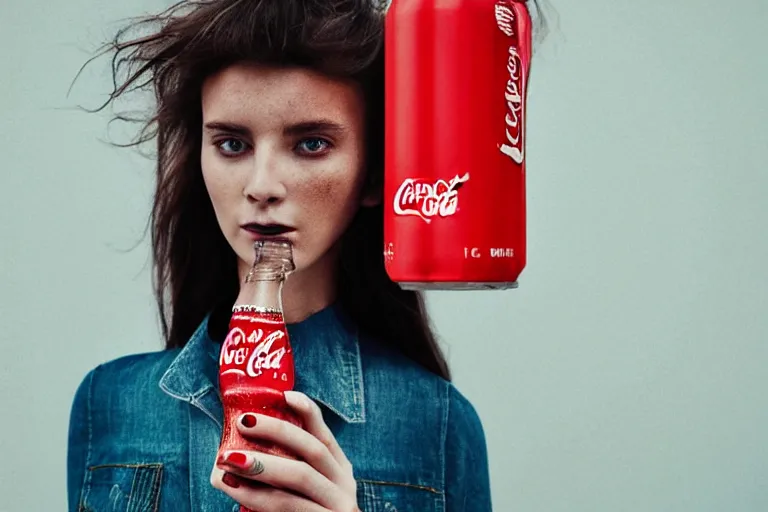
261, 293
273, 271
263, 284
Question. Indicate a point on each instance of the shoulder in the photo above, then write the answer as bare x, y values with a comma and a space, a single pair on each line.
123, 386
463, 417
137, 373
392, 378
387, 370
119, 403
466, 457
147, 363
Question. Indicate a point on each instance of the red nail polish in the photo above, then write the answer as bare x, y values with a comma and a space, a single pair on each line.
237, 459
230, 480
248, 421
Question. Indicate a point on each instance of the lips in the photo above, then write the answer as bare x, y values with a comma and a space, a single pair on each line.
267, 229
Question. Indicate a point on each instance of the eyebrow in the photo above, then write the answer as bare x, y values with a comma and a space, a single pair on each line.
306, 127
227, 127
296, 129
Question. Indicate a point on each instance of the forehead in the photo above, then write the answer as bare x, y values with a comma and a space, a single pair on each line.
245, 91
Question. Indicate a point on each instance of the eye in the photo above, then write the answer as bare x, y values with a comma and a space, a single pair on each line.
313, 146
231, 147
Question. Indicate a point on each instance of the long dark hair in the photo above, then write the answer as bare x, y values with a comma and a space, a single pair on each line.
194, 267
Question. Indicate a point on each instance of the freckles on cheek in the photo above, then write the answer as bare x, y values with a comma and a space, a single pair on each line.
323, 190
327, 197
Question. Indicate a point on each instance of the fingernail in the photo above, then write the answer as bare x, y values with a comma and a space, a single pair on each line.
237, 459
248, 420
230, 480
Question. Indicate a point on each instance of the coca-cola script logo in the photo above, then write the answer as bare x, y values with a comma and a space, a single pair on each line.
258, 351
426, 200
504, 19
514, 119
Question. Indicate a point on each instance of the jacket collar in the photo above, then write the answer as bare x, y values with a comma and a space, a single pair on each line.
326, 354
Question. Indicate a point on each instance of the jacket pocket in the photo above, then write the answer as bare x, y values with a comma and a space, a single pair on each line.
122, 488
375, 496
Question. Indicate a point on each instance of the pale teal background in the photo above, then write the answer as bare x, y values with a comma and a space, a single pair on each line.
628, 371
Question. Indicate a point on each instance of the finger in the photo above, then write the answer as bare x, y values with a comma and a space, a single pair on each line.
296, 439
261, 498
315, 425
287, 474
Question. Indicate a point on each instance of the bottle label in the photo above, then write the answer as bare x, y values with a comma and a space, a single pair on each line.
256, 351
427, 200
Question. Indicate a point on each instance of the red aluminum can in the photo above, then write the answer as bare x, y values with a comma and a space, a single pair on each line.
454, 186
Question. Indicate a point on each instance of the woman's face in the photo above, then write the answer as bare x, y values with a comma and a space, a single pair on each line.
282, 155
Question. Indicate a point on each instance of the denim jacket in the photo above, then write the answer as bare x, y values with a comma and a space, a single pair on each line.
144, 429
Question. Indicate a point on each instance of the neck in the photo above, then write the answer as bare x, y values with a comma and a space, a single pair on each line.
306, 291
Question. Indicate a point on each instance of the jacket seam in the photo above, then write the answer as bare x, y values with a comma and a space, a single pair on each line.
89, 452
152, 465
190, 476
360, 384
156, 488
444, 434
401, 484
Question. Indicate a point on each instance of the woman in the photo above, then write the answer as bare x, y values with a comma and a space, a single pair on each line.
269, 119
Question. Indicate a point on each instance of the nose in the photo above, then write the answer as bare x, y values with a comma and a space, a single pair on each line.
264, 184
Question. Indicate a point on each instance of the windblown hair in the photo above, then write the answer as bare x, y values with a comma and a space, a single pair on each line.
171, 54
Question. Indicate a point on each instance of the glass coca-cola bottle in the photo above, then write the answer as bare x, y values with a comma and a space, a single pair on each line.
256, 361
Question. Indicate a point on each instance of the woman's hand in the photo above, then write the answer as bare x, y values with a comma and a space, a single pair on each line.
322, 482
